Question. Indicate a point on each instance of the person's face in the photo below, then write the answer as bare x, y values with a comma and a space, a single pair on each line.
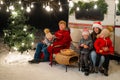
96, 30
85, 36
62, 26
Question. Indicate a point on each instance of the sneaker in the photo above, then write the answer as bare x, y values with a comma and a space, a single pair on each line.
34, 61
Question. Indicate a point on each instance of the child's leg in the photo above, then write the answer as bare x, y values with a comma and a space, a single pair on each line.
82, 62
106, 65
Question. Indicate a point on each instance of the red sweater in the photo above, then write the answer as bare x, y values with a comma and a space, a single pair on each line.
63, 38
100, 43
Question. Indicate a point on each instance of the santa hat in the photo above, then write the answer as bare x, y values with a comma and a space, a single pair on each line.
97, 24
85, 31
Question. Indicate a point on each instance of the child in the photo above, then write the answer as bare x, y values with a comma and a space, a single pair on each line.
103, 46
49, 38
85, 46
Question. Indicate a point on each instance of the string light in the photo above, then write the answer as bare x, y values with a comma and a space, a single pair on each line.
15, 48
77, 9
59, 3
51, 9
11, 7
31, 35
22, 8
10, 52
95, 6
7, 10
1, 2
32, 6
24, 29
14, 13
47, 8
20, 2
60, 9
23, 44
32, 43
28, 9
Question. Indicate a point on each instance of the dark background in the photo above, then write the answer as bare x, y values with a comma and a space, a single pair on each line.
38, 17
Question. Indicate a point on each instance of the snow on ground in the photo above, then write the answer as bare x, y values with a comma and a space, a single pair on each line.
22, 70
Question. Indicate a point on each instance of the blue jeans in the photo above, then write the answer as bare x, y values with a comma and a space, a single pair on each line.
93, 56
39, 49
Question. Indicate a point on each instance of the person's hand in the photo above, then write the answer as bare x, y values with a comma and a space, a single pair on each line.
106, 49
51, 45
100, 51
82, 45
85, 46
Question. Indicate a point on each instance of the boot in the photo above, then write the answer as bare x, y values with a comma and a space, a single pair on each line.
96, 69
106, 72
34, 61
86, 72
101, 70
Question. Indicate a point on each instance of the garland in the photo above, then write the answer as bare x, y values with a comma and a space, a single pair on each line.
101, 4
118, 11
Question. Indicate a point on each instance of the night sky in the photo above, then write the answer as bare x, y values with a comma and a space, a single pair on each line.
39, 18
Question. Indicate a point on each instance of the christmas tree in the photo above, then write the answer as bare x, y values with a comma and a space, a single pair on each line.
18, 35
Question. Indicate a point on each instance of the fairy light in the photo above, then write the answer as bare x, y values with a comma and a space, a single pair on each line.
15, 48
28, 9
31, 35
1, 2
23, 44
95, 6
47, 8
51, 9
32, 6
77, 9
60, 9
7, 10
32, 43
11, 7
20, 2
22, 8
59, 3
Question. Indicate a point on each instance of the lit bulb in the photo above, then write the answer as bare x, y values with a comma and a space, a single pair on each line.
77, 8
71, 4
14, 13
32, 6
13, 22
59, 3
19, 2
28, 9
15, 48
47, 8
95, 6
31, 35
22, 8
7, 10
95, 0
60, 9
5, 34
11, 7
24, 29
51, 9
32, 43
23, 44
1, 2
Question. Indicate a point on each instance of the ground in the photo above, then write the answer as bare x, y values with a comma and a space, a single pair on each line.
22, 70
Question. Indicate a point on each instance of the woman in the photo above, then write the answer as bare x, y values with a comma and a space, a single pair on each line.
97, 27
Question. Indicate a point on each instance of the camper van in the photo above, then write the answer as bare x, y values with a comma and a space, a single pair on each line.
78, 20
